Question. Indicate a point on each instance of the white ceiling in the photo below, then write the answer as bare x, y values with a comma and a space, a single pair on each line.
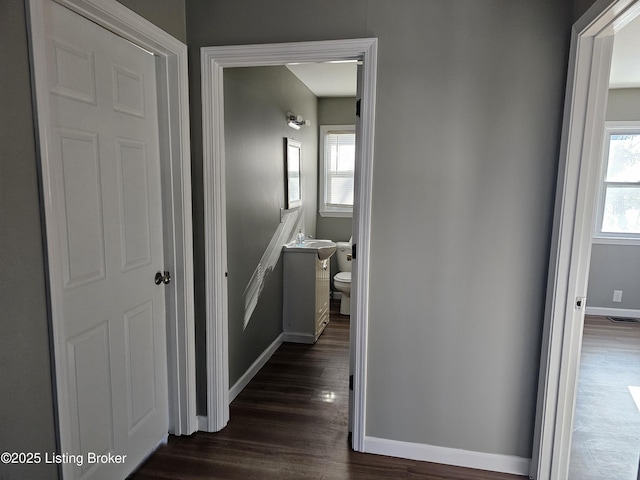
625, 64
327, 79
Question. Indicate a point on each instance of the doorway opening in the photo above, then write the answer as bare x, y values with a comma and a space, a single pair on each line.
269, 206
606, 415
578, 176
213, 61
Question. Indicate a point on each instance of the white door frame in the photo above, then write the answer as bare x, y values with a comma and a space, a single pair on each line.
173, 113
580, 158
213, 61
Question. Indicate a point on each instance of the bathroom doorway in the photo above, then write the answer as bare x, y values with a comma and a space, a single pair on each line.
262, 220
214, 61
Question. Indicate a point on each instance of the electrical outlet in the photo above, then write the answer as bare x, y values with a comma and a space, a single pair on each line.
617, 295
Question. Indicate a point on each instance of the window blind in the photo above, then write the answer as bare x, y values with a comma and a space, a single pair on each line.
339, 164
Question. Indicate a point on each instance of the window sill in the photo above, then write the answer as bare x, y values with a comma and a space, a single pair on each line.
336, 213
615, 241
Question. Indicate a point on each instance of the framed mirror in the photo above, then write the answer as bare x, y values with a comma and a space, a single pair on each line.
293, 180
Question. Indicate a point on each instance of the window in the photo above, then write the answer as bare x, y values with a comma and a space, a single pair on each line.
619, 198
337, 158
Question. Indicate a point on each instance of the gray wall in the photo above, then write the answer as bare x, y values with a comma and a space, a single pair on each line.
256, 103
615, 267
167, 14
580, 7
463, 189
26, 413
26, 398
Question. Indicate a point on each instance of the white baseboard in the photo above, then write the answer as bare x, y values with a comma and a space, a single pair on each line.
203, 423
299, 338
255, 368
612, 312
448, 456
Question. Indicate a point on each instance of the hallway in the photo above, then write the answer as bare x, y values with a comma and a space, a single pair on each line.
290, 422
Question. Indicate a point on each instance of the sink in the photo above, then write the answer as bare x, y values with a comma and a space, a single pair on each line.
323, 248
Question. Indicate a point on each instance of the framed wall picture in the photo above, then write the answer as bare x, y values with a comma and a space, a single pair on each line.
293, 172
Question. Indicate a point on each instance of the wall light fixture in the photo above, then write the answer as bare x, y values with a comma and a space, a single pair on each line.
296, 121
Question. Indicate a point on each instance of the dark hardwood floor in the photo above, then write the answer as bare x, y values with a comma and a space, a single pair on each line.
290, 422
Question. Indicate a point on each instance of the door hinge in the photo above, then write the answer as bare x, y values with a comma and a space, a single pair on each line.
358, 108
353, 251
580, 303
350, 382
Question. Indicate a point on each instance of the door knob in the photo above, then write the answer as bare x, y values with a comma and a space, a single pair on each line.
160, 278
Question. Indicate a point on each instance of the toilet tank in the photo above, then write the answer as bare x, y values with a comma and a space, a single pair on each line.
344, 251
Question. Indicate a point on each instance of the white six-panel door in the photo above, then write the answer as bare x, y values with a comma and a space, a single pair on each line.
105, 179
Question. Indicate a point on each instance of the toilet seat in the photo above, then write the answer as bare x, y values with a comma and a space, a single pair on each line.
343, 277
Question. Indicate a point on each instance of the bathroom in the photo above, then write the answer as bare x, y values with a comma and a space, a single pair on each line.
256, 102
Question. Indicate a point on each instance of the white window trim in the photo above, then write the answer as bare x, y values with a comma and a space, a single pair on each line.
599, 237
323, 209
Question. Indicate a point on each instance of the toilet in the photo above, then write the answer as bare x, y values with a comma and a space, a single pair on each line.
342, 279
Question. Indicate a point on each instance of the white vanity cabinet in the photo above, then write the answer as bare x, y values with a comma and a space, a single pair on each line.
306, 295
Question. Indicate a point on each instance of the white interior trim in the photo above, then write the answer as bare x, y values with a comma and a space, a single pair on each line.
580, 157
614, 241
449, 456
213, 61
611, 128
255, 367
612, 312
173, 108
203, 423
323, 209
298, 337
